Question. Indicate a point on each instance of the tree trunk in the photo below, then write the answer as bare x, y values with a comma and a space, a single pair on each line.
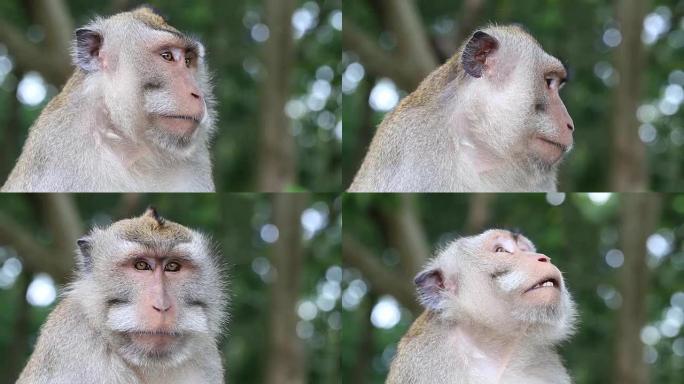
406, 234
629, 153
286, 356
639, 215
277, 157
478, 212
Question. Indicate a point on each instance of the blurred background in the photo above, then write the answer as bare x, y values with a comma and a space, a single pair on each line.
282, 252
622, 256
626, 61
286, 49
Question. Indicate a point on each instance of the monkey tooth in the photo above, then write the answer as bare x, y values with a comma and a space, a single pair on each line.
546, 283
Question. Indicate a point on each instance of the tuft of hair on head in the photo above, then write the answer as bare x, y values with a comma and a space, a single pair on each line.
151, 212
151, 9
152, 17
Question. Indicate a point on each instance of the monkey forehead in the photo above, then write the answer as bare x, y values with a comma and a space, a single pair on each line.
492, 236
142, 23
520, 42
147, 231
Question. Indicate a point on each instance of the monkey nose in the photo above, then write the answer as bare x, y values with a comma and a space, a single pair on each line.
161, 307
543, 258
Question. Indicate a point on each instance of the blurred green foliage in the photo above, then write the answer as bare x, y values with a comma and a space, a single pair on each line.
576, 235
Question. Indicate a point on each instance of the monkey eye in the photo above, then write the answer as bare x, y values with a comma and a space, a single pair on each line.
166, 55
549, 81
172, 267
499, 249
141, 265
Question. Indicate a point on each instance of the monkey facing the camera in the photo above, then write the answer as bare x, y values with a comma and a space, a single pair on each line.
495, 310
147, 306
137, 115
489, 120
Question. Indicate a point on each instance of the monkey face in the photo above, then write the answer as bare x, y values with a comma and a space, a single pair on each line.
153, 287
497, 278
157, 89
513, 89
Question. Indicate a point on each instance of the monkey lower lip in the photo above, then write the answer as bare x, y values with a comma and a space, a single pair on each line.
546, 283
155, 340
560, 146
180, 125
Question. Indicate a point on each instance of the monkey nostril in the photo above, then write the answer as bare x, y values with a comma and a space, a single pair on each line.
543, 259
195, 95
161, 308
570, 127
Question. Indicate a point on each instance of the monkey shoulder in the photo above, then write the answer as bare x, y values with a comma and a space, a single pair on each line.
69, 350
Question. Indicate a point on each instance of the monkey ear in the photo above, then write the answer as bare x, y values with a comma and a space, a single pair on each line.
88, 45
430, 285
85, 258
475, 54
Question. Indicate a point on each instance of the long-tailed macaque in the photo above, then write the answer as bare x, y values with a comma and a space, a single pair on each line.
136, 115
494, 311
489, 120
147, 306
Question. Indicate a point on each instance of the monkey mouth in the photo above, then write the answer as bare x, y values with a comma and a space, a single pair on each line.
547, 282
549, 151
180, 125
562, 147
182, 117
155, 340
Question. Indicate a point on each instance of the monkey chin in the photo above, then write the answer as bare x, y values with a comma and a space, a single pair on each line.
157, 347
548, 152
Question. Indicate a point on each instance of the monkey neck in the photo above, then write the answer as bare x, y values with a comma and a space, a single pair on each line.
493, 351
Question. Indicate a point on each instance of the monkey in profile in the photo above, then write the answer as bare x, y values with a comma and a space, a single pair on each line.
147, 306
136, 115
494, 311
489, 120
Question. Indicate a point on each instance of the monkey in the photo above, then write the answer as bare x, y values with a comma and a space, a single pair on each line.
494, 311
137, 115
147, 306
489, 120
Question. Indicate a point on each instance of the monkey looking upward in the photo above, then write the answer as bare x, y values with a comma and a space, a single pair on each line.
488, 120
136, 115
147, 306
494, 310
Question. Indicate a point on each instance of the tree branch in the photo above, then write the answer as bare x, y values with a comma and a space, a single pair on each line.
376, 60
54, 16
62, 217
405, 233
404, 21
24, 243
52, 60
381, 278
